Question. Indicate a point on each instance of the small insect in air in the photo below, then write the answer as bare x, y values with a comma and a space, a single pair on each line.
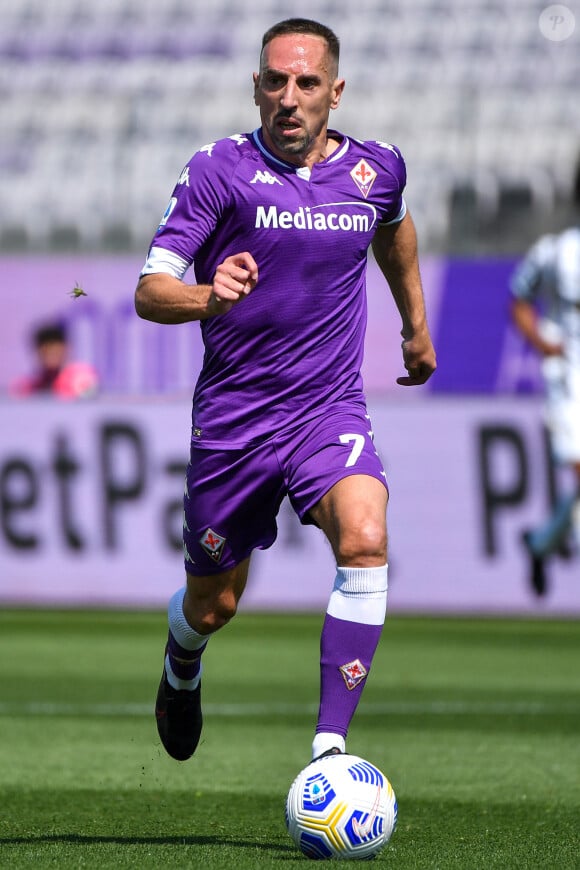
77, 291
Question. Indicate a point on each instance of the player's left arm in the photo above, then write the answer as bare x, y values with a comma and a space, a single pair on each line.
395, 248
532, 279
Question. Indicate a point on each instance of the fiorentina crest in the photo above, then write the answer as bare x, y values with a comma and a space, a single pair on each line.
363, 176
213, 544
353, 673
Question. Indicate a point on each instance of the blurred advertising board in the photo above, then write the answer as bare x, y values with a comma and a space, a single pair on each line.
91, 513
478, 350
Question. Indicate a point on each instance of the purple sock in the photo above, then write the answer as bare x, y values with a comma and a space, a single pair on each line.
346, 652
184, 663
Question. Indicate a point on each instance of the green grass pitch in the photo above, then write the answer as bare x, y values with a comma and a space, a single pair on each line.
475, 722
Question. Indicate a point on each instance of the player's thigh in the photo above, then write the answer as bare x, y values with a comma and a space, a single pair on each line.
564, 428
230, 503
352, 515
337, 481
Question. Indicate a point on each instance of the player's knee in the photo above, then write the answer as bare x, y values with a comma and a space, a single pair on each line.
208, 615
222, 613
223, 609
364, 545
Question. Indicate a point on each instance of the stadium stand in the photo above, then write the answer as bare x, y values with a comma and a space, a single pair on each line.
102, 103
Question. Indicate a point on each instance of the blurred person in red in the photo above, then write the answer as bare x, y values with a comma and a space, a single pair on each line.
55, 375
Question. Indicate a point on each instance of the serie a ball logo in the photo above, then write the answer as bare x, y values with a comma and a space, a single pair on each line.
341, 806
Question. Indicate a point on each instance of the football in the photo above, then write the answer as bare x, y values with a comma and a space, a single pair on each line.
341, 806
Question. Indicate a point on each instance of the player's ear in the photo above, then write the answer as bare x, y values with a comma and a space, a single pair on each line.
337, 89
256, 78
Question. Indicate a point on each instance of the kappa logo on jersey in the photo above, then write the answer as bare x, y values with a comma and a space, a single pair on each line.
353, 673
213, 544
186, 555
184, 177
238, 138
388, 147
265, 178
363, 176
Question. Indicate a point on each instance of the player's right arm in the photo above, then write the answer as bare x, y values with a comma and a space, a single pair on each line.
163, 298
194, 212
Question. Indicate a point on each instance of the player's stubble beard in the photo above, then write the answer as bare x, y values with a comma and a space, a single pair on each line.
294, 147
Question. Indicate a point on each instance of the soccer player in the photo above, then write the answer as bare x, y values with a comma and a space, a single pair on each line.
546, 310
277, 224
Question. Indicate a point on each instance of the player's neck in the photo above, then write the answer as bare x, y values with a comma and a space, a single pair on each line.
333, 141
327, 146
321, 150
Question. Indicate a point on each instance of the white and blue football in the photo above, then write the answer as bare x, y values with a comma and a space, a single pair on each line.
341, 806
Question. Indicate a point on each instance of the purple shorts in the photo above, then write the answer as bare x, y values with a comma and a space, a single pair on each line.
232, 497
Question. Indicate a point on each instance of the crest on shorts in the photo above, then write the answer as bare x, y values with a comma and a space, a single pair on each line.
363, 176
353, 673
213, 544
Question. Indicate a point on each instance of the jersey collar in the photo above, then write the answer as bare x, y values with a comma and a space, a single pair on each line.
300, 170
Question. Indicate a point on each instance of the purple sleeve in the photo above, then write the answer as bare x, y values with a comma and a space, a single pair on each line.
197, 203
395, 165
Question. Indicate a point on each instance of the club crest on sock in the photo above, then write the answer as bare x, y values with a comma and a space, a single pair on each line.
353, 673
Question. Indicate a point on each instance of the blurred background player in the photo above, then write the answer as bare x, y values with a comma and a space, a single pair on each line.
546, 310
56, 375
278, 223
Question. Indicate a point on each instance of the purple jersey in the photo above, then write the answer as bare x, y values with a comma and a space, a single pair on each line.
295, 344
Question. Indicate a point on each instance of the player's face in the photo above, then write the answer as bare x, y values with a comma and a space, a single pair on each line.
295, 90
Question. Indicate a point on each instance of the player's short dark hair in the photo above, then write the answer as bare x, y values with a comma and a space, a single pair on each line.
49, 333
305, 25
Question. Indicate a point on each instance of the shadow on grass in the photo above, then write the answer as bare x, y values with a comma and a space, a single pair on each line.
87, 840
451, 834
43, 819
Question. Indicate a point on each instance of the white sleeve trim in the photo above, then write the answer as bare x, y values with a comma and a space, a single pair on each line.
162, 260
397, 219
